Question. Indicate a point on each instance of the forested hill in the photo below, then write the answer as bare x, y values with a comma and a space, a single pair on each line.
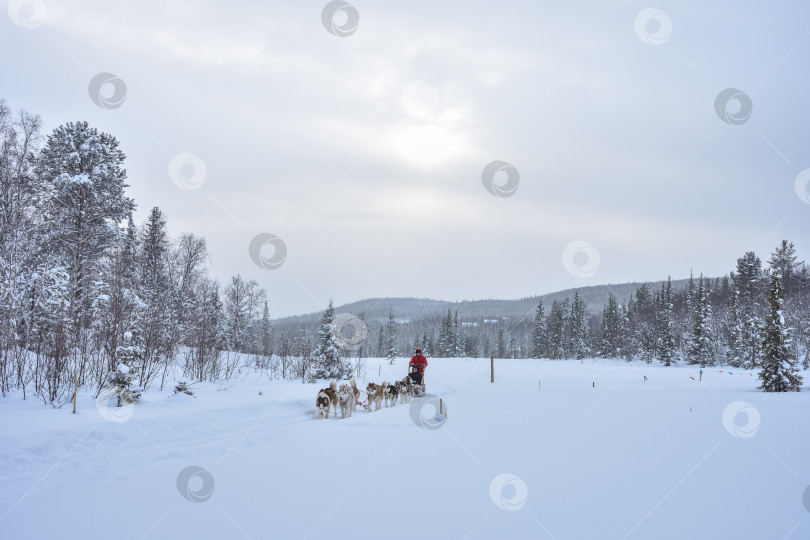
417, 310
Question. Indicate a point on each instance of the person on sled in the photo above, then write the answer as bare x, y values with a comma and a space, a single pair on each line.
419, 362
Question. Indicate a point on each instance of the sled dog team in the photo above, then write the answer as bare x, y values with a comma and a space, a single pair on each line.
347, 396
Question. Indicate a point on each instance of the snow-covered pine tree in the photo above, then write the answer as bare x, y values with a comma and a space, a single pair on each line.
500, 347
610, 346
736, 352
265, 338
556, 329
458, 338
539, 335
284, 349
748, 281
82, 203
579, 334
129, 357
780, 369
381, 343
392, 350
702, 344
783, 261
154, 290
446, 337
642, 312
471, 346
328, 363
666, 342
302, 350
362, 351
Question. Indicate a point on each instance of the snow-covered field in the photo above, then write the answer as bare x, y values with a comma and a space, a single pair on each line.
542, 453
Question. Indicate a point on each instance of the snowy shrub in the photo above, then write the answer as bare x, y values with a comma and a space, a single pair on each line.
183, 386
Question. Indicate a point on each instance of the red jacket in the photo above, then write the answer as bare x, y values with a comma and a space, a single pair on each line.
420, 361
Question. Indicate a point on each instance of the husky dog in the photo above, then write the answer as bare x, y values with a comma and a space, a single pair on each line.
404, 389
391, 392
331, 393
322, 404
375, 395
345, 397
355, 390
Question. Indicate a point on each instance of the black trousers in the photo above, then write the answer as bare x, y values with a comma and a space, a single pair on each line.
416, 377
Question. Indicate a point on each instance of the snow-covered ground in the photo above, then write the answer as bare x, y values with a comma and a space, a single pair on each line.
541, 453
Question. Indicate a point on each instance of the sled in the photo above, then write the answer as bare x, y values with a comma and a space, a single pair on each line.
416, 390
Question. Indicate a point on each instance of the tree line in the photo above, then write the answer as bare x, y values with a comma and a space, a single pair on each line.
88, 296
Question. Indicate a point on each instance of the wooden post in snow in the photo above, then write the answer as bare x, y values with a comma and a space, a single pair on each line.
492, 369
75, 388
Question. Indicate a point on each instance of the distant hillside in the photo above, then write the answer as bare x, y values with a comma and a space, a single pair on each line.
419, 310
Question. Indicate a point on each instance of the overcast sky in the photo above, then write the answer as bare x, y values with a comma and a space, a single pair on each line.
358, 135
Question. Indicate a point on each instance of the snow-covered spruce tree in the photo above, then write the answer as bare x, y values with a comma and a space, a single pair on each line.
425, 344
610, 346
446, 337
539, 335
666, 342
392, 352
702, 344
458, 338
748, 285
327, 361
642, 312
82, 204
783, 261
579, 333
556, 329
780, 369
129, 357
381, 342
362, 350
736, 351
265, 339
500, 347
302, 351
154, 290
471, 346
